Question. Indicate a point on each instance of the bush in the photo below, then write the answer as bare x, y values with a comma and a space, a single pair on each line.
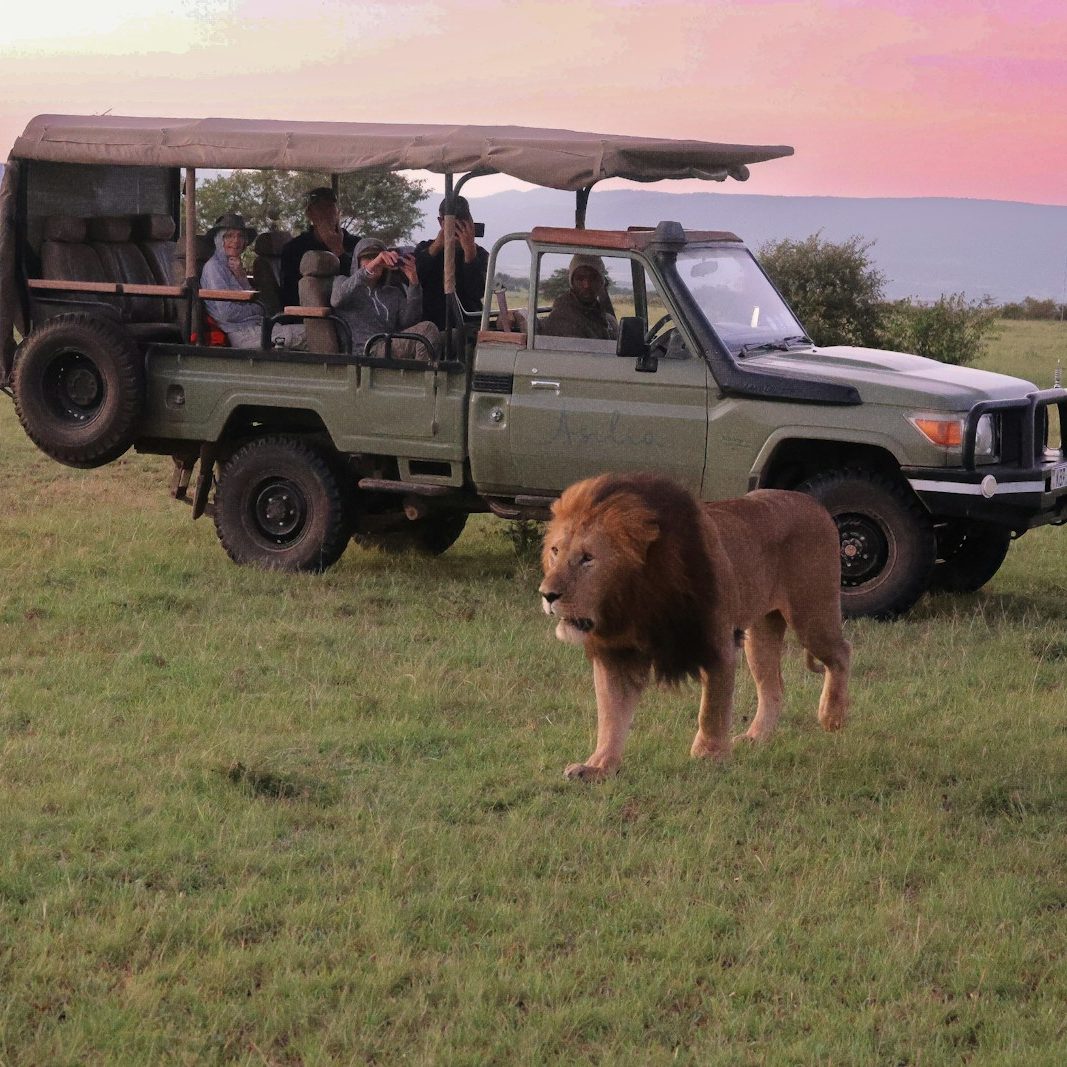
1032, 308
837, 294
950, 330
834, 289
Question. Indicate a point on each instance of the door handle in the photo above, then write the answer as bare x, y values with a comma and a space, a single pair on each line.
544, 383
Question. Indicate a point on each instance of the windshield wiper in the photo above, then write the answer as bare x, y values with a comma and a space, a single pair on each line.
799, 339
765, 346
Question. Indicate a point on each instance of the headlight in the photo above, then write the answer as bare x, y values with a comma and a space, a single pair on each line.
946, 431
985, 441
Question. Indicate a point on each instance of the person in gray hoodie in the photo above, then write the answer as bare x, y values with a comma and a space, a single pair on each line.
370, 302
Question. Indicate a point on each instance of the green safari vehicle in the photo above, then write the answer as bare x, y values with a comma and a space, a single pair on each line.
929, 470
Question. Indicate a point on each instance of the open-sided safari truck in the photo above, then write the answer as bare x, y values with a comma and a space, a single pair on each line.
929, 470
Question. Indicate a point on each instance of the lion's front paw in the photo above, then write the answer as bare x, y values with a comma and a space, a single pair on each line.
585, 773
709, 748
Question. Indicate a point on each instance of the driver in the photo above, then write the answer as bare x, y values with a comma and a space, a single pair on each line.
580, 311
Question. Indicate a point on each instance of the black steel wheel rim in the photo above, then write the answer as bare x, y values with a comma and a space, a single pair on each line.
279, 511
864, 549
73, 387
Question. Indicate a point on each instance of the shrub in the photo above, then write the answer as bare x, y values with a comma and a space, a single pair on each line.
834, 288
950, 330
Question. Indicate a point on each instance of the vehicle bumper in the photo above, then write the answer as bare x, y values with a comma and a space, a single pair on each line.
1006, 496
1028, 489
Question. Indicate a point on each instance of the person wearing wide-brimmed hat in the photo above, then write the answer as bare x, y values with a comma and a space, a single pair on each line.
371, 303
240, 320
324, 234
580, 311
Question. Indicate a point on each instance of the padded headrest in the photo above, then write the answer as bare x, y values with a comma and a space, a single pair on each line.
110, 228
153, 228
65, 228
271, 243
319, 264
205, 248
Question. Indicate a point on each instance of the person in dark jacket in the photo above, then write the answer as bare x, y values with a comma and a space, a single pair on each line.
580, 311
324, 234
472, 264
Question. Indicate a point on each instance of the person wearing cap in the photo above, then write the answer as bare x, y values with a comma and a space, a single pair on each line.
324, 234
580, 311
240, 320
371, 302
472, 264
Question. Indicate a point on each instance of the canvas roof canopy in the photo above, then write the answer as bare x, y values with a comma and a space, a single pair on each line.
557, 159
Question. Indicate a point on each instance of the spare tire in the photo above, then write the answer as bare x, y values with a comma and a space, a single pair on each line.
79, 387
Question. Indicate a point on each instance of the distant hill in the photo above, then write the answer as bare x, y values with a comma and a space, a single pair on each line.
925, 247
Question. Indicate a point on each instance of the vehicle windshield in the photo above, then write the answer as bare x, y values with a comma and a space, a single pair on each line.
738, 301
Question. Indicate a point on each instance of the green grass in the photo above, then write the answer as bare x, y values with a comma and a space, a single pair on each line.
252, 818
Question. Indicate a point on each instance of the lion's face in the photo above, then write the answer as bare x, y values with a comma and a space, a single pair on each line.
593, 549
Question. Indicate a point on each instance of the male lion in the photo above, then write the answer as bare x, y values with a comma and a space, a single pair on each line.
648, 580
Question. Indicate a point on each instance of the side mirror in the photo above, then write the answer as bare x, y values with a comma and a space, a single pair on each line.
632, 344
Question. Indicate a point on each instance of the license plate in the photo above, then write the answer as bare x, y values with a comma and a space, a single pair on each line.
1059, 476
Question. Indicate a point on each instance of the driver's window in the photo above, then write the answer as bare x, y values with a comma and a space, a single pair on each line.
576, 301
667, 341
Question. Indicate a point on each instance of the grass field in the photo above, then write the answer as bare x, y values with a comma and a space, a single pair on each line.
263, 819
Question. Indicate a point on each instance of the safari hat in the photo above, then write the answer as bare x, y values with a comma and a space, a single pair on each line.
231, 220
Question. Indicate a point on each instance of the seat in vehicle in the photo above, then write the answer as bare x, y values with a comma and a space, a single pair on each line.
267, 268
317, 272
111, 236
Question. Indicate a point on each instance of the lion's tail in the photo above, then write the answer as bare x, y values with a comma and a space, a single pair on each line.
813, 664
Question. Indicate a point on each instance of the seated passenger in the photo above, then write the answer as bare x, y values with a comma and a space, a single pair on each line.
241, 321
324, 234
371, 302
579, 312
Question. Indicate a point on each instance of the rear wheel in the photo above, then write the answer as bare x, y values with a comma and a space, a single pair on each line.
278, 505
79, 388
969, 553
887, 541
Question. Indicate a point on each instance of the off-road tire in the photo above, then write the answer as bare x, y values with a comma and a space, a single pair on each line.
278, 505
429, 536
969, 553
79, 388
887, 541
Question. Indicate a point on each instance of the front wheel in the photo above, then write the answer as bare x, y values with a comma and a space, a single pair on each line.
888, 546
279, 506
969, 553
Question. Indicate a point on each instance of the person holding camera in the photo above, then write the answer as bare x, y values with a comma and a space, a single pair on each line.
373, 300
472, 264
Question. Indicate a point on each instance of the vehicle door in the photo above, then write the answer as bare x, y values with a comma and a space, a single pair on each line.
578, 410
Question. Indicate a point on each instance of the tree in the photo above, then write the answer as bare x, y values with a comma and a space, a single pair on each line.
834, 288
372, 202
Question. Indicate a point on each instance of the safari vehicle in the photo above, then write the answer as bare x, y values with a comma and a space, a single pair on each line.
929, 470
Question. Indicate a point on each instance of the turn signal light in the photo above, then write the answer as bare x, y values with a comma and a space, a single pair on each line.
945, 433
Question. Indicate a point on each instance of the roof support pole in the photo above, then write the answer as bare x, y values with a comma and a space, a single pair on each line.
335, 185
581, 202
449, 228
191, 279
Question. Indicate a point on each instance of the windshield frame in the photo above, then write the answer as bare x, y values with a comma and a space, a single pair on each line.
760, 339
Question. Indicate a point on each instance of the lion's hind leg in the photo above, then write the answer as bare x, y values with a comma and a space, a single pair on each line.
764, 642
827, 646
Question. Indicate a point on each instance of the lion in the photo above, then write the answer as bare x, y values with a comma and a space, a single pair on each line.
653, 584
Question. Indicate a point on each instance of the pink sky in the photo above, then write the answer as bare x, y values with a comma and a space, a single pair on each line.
944, 98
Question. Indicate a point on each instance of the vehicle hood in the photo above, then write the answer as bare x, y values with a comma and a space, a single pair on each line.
894, 378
